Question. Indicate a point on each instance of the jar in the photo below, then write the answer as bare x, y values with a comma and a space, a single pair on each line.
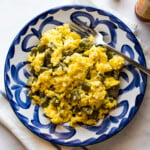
142, 10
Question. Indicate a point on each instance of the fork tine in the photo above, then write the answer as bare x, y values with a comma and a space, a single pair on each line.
81, 27
80, 30
86, 28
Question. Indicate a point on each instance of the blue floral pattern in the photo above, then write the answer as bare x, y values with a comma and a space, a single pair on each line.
133, 82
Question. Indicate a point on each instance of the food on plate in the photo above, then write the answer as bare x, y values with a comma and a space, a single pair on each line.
73, 80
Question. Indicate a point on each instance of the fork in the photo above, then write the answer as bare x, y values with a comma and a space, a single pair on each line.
86, 31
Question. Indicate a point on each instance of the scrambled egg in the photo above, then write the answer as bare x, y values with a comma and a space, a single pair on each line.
72, 79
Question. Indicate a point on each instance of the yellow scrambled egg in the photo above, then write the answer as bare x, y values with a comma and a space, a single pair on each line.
72, 79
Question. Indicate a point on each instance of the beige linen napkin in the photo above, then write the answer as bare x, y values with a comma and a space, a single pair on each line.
7, 116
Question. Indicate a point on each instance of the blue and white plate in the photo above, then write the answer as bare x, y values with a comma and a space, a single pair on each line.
133, 82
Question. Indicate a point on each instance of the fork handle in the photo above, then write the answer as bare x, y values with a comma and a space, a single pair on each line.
139, 66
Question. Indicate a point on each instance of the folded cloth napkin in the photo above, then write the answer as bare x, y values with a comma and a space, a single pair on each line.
7, 116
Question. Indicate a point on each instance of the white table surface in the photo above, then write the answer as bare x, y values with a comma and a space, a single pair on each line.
136, 135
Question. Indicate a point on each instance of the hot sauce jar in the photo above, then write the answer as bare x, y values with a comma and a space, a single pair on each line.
142, 10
